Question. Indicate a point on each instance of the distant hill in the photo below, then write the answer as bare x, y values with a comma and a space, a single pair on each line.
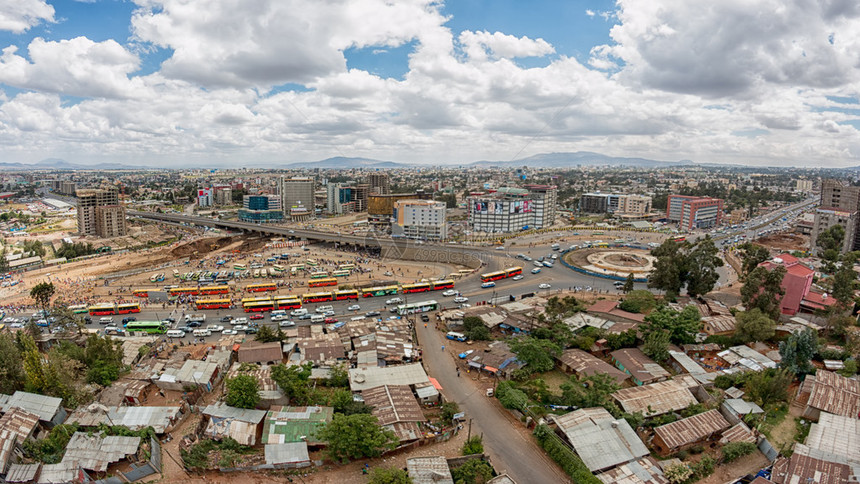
345, 163
61, 164
581, 158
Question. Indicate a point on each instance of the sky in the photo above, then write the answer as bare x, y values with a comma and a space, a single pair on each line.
170, 83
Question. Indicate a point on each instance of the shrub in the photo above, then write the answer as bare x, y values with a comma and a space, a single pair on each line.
449, 409
734, 450
473, 445
678, 473
704, 468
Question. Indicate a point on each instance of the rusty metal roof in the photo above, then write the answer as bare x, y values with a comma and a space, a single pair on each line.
738, 433
261, 352
639, 365
656, 398
586, 364
21, 422
835, 394
811, 465
96, 453
691, 429
393, 403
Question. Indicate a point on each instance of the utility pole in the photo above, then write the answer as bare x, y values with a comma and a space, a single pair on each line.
469, 433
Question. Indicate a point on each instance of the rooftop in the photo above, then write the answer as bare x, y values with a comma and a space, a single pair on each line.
586, 364
393, 403
260, 352
45, 407
93, 452
601, 441
429, 470
639, 365
287, 453
835, 394
656, 398
361, 379
691, 429
295, 424
836, 434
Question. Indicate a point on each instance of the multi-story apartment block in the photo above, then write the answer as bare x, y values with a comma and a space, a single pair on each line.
839, 205
804, 186
339, 199
223, 195
419, 219
100, 214
205, 197
545, 199
380, 183
694, 212
615, 203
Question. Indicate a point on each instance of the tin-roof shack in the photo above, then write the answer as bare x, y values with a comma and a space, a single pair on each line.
429, 470
656, 398
601, 441
642, 370
684, 433
242, 425
22, 422
49, 409
836, 434
812, 465
397, 409
831, 393
256, 352
192, 373
583, 364
413, 374
295, 424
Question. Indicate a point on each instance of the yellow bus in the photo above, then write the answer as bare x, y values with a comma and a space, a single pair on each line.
328, 281
379, 291
340, 274
78, 308
255, 299
266, 286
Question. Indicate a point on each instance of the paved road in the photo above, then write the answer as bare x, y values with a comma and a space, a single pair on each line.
510, 450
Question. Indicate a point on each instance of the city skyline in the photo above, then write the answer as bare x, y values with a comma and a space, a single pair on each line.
158, 83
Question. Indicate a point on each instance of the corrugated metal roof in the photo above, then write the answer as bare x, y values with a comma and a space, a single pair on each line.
222, 410
639, 365
641, 471
295, 424
96, 453
820, 467
835, 394
261, 352
22, 472
738, 433
405, 431
393, 403
656, 398
691, 429
836, 434
429, 470
136, 418
21, 422
361, 379
586, 364
581, 320
742, 407
7, 446
45, 407
288, 453
688, 364
600, 440
62, 473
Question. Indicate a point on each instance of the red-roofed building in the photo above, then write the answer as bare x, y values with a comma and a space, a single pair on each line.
609, 310
796, 282
694, 212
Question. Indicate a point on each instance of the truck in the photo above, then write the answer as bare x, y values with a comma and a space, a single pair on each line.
198, 317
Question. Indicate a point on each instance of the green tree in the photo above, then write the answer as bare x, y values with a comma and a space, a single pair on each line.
830, 243
42, 294
656, 345
537, 354
844, 279
669, 268
448, 410
592, 391
682, 326
266, 334
754, 325
678, 473
797, 352
355, 437
474, 329
751, 256
473, 471
850, 368
338, 376
243, 391
11, 367
769, 386
734, 450
34, 370
762, 289
640, 301
702, 263
389, 475
628, 283
342, 402
293, 381
473, 445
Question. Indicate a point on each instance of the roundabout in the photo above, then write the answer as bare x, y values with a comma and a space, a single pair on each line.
618, 262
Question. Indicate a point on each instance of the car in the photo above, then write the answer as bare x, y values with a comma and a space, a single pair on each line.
229, 331
544, 286
330, 320
298, 312
392, 310
88, 319
425, 318
354, 307
241, 327
389, 274
251, 330
328, 313
286, 323
461, 299
106, 320
465, 305
371, 314
618, 284
306, 316
518, 277
239, 321
527, 259
111, 328
448, 293
537, 264
397, 300
16, 325
128, 319
501, 247
322, 309
226, 319
215, 328
193, 324
280, 317
170, 320
256, 316
485, 285
466, 353
536, 270
186, 329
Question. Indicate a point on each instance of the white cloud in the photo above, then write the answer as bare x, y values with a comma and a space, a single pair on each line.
480, 45
77, 67
590, 13
19, 15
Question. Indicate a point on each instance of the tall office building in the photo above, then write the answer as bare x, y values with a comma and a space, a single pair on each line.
100, 214
694, 212
261, 209
419, 219
380, 183
297, 197
339, 199
840, 205
545, 203
510, 209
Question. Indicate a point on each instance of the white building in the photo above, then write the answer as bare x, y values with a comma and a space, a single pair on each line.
297, 197
205, 197
420, 219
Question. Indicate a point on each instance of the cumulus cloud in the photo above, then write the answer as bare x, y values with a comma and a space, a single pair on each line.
480, 45
19, 15
77, 67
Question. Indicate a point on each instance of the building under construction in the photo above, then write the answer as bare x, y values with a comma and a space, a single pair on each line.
100, 214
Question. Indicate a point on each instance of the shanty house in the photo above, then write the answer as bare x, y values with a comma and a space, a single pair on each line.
295, 424
429, 470
600, 440
642, 370
256, 352
397, 409
656, 398
583, 364
831, 393
242, 425
193, 373
684, 433
49, 409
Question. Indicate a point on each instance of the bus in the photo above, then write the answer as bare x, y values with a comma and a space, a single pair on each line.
288, 302
104, 309
417, 287
211, 290
259, 306
127, 308
419, 307
316, 297
346, 267
319, 274
329, 281
184, 291
495, 276
78, 308
312, 262
346, 294
266, 286
152, 327
678, 238
240, 267
340, 274
212, 304
441, 285
297, 267
379, 291
140, 293
255, 299
278, 268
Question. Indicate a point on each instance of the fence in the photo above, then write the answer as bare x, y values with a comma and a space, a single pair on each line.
597, 274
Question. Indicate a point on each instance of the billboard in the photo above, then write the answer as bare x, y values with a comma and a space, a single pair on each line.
521, 206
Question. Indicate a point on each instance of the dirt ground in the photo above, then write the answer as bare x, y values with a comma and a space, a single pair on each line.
748, 464
784, 242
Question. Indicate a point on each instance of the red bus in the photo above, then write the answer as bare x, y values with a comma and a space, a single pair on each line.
210, 290
126, 308
495, 276
346, 294
212, 304
329, 281
259, 306
141, 293
184, 291
317, 297
267, 286
678, 238
417, 287
288, 302
104, 309
513, 271
440, 285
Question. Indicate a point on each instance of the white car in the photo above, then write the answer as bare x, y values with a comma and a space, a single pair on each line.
544, 286
239, 321
215, 328
322, 309
280, 317
286, 323
229, 331
354, 307
486, 285
397, 300
519, 277
241, 327
461, 299
449, 293
16, 325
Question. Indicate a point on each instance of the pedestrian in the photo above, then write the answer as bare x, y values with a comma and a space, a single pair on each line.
443, 347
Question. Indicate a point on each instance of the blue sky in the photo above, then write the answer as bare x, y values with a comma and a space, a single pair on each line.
166, 81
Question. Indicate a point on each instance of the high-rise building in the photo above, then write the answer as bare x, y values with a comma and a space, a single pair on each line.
380, 208
545, 203
839, 205
100, 214
380, 183
694, 212
419, 219
511, 209
804, 186
223, 195
339, 199
360, 194
615, 203
297, 197
205, 197
261, 209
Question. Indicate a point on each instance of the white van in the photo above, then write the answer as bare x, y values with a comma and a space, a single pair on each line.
317, 318
202, 332
175, 333
105, 320
322, 309
298, 312
357, 318
278, 312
